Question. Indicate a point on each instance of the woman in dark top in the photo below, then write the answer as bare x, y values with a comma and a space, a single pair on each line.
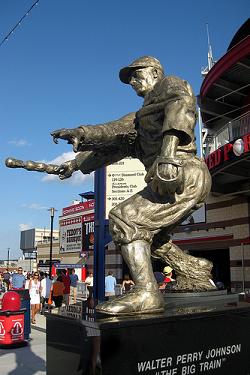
127, 283
57, 291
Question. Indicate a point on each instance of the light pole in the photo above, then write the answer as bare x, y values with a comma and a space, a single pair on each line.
52, 213
8, 258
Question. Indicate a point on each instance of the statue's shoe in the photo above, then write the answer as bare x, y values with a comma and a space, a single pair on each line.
136, 301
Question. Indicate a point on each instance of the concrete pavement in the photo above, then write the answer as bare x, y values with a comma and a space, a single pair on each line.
30, 359
40, 323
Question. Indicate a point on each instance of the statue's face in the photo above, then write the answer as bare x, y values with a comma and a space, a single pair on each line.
143, 80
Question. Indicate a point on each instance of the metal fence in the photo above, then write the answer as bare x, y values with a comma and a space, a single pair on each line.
232, 130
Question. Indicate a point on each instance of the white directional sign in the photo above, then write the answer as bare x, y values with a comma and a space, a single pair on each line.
123, 179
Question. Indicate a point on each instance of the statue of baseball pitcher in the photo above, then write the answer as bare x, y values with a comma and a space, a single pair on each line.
161, 136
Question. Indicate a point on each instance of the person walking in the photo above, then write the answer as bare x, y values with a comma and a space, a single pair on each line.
2, 286
35, 292
89, 281
66, 282
57, 291
73, 285
27, 282
6, 279
18, 280
46, 284
110, 283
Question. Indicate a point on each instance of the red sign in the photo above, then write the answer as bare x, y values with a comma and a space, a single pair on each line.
11, 329
228, 152
88, 217
81, 207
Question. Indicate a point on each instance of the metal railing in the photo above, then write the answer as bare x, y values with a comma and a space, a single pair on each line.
232, 130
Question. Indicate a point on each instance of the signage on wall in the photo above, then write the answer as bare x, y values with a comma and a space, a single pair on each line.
71, 235
228, 152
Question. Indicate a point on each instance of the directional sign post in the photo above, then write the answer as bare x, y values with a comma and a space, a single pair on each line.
113, 184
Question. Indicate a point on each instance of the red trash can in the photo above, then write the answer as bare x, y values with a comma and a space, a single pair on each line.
11, 320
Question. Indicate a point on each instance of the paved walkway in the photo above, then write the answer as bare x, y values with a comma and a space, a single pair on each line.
30, 359
40, 323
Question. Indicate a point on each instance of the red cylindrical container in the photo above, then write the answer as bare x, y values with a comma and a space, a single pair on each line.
11, 301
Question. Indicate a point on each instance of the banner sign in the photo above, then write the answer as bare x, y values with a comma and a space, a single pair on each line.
71, 235
77, 208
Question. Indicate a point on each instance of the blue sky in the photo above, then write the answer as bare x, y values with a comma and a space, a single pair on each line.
60, 69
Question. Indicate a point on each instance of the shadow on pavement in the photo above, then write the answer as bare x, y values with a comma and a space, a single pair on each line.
27, 362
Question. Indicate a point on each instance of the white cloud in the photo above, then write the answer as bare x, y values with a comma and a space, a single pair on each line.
76, 179
24, 226
70, 155
19, 142
35, 206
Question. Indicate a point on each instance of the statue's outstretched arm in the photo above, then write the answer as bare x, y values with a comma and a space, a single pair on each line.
86, 162
98, 146
89, 161
30, 165
93, 138
69, 167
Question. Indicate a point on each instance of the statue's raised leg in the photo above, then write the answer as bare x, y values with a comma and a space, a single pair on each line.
192, 274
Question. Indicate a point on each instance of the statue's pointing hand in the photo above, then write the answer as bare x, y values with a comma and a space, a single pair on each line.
66, 169
73, 136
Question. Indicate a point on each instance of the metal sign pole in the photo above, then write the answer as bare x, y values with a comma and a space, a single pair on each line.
99, 244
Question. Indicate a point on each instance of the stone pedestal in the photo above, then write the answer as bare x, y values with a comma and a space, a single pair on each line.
182, 341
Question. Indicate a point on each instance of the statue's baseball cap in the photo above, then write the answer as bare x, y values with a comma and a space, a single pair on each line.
142, 62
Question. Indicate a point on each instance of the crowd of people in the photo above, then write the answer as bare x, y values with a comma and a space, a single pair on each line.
43, 290
164, 279
62, 288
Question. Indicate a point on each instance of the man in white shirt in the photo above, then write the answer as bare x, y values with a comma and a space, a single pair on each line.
90, 282
110, 283
46, 284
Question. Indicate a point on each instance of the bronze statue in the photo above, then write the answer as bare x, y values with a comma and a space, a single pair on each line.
161, 135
